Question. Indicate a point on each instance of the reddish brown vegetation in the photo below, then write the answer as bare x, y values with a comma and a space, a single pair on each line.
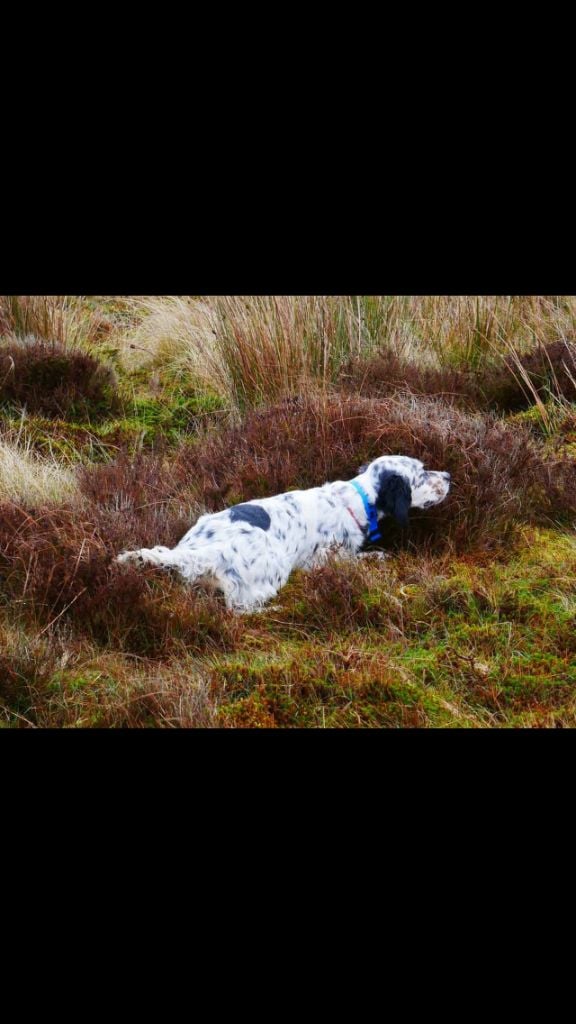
499, 472
337, 597
550, 368
56, 567
47, 379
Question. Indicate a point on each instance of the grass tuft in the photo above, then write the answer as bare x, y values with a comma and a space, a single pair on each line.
31, 479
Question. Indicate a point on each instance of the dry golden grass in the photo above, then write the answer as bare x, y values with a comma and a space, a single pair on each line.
66, 319
169, 329
31, 479
253, 349
465, 329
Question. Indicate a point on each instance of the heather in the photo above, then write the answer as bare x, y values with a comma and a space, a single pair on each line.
122, 419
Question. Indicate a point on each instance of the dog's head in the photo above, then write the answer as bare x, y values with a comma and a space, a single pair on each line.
396, 483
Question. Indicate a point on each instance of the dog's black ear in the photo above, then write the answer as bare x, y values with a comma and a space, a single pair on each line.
394, 496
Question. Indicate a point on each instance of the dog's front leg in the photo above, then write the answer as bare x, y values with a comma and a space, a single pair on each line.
379, 555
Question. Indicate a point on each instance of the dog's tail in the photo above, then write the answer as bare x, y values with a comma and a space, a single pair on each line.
191, 566
152, 556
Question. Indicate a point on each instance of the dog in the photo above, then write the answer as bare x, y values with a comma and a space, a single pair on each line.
249, 550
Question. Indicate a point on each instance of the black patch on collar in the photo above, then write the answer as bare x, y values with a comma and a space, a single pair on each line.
253, 514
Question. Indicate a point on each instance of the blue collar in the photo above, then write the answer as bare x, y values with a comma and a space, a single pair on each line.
370, 510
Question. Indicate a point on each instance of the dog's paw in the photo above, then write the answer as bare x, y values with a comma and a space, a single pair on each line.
380, 555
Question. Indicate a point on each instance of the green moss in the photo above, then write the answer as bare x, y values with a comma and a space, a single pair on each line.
306, 687
170, 417
146, 421
554, 425
480, 645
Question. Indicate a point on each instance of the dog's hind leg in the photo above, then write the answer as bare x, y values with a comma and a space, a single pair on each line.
242, 598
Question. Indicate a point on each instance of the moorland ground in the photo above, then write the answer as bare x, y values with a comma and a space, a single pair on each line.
122, 419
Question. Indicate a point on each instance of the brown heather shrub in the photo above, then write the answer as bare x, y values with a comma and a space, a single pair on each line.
387, 375
337, 597
56, 568
551, 369
52, 381
299, 443
139, 500
499, 473
152, 614
127, 485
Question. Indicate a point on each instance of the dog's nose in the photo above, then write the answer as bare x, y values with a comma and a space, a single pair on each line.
447, 475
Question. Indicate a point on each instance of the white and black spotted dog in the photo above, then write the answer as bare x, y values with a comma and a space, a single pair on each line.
248, 551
